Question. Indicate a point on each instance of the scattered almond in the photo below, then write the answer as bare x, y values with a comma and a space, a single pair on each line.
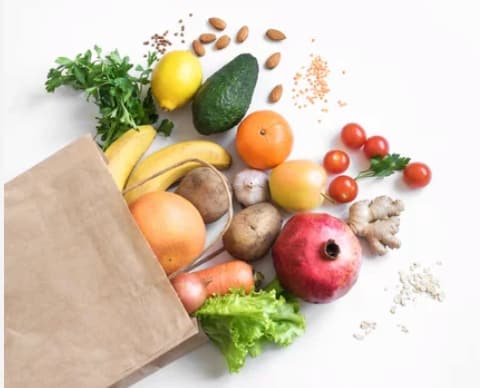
217, 23
242, 34
207, 37
274, 34
273, 61
276, 94
222, 42
198, 48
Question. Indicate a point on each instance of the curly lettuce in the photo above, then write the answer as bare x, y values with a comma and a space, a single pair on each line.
240, 324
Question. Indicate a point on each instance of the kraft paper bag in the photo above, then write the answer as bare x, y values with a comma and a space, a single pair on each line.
86, 302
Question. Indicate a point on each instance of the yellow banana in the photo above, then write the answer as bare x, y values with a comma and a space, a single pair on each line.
202, 149
127, 150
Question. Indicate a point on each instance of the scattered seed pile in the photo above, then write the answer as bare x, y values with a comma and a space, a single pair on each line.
417, 280
366, 327
161, 42
310, 83
414, 282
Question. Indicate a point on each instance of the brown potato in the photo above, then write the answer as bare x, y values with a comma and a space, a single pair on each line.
253, 231
204, 189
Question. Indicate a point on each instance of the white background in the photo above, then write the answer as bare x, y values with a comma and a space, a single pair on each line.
411, 75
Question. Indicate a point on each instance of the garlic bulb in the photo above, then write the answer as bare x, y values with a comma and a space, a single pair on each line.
251, 187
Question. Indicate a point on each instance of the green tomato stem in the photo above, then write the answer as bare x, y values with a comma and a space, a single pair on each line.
365, 174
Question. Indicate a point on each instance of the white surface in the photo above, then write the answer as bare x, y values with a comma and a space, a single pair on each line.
412, 76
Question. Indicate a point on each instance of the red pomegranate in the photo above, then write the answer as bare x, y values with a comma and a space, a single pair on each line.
317, 257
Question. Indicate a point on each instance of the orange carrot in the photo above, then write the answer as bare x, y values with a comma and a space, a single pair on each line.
194, 287
220, 278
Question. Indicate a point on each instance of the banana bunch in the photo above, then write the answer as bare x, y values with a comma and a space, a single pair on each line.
124, 153
127, 150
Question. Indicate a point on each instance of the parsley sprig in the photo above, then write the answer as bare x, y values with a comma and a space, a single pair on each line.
384, 166
124, 100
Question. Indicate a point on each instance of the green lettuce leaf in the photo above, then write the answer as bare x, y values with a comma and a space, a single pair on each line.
240, 324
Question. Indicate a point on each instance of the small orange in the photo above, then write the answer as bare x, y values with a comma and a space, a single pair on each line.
264, 139
172, 226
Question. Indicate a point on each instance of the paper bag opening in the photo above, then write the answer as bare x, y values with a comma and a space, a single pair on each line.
86, 301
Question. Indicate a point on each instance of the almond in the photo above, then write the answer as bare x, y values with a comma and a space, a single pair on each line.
274, 34
276, 94
198, 48
217, 23
208, 37
222, 42
273, 61
242, 34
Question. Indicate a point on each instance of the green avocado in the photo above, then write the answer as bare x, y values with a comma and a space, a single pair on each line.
223, 99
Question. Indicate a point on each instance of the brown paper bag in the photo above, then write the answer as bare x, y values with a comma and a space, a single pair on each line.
86, 302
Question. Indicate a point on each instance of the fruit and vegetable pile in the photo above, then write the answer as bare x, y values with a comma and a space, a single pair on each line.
176, 191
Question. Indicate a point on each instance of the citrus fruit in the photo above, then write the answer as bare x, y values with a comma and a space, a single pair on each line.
298, 185
264, 139
172, 226
176, 78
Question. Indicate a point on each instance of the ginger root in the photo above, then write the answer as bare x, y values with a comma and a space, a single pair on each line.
377, 221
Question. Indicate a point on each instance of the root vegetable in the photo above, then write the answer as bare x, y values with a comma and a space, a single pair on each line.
378, 222
251, 187
219, 279
253, 231
191, 291
195, 287
204, 189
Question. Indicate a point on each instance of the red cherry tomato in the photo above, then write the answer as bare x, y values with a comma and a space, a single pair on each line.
376, 146
353, 135
336, 161
417, 174
343, 189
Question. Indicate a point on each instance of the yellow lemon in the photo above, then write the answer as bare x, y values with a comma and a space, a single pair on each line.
176, 78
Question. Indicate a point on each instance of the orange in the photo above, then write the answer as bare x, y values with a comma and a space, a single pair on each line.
172, 226
264, 139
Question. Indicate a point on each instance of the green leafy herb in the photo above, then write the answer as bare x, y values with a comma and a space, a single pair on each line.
121, 98
241, 324
384, 166
165, 127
